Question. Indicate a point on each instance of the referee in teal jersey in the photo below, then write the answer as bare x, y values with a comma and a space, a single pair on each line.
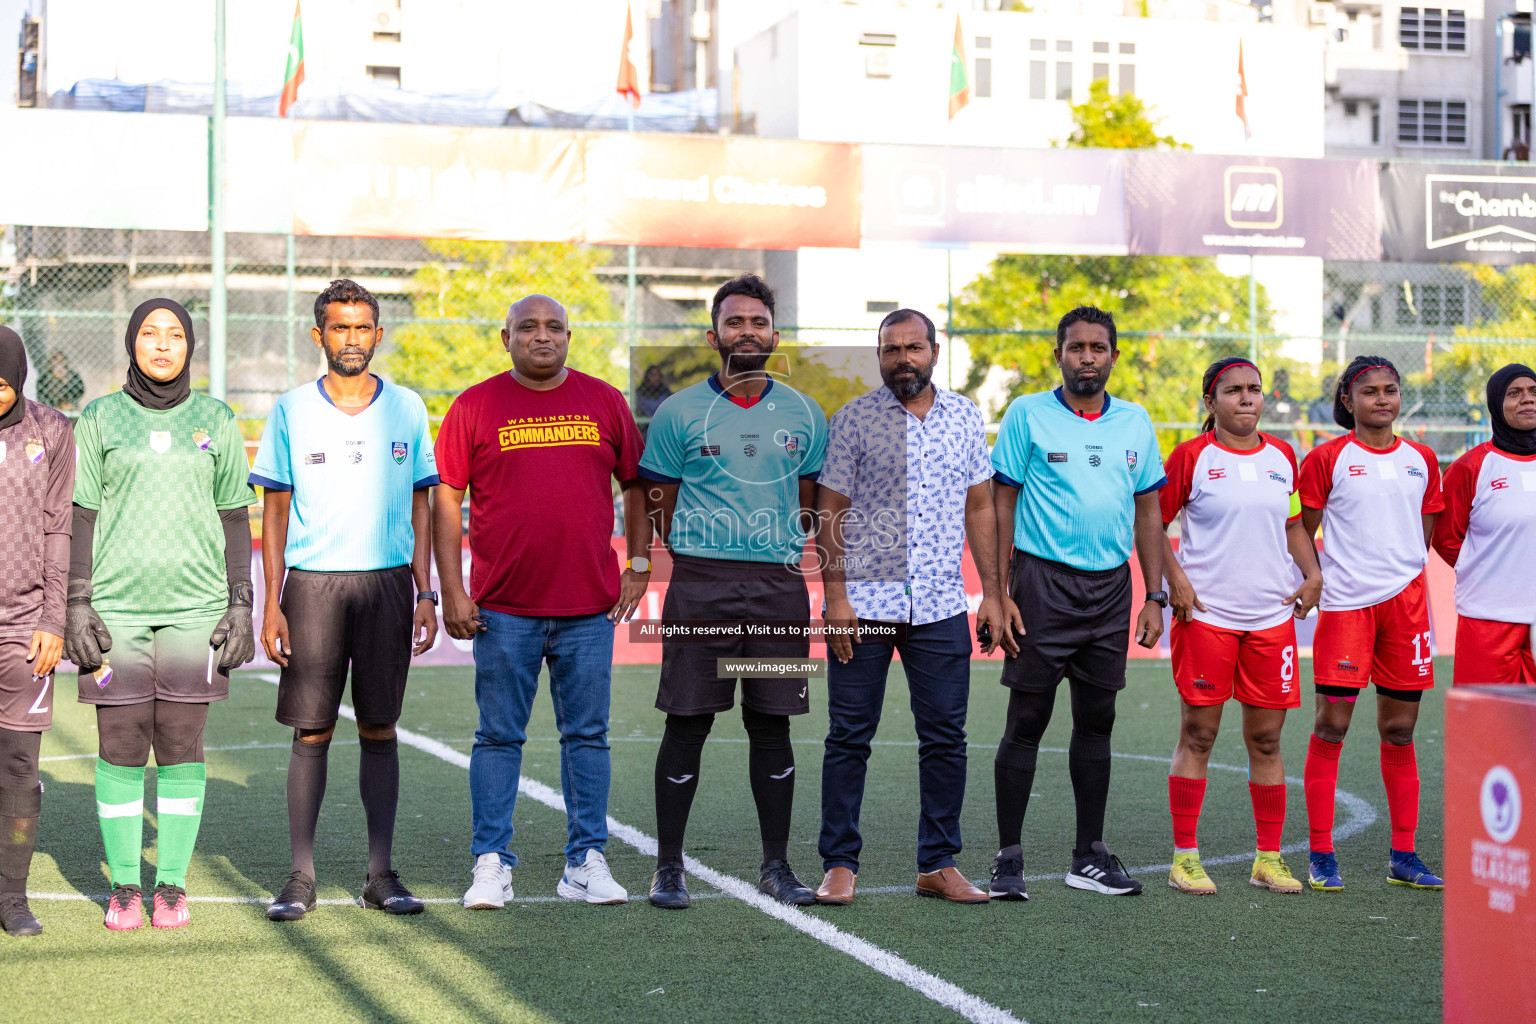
1077, 475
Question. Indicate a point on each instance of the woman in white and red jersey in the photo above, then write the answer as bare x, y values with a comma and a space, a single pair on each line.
1488, 532
1235, 596
1375, 496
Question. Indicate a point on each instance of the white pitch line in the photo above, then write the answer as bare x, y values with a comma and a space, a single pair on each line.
931, 986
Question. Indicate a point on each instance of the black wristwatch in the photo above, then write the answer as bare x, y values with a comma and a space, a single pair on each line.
427, 595
1160, 596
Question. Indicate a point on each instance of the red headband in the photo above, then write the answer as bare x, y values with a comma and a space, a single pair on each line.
1212, 389
1366, 369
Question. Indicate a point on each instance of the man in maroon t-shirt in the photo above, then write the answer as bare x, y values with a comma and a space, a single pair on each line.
537, 449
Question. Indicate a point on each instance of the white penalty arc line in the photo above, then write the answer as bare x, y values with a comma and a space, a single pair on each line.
930, 986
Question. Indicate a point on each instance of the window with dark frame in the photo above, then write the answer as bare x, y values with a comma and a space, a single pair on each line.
1432, 29
1432, 122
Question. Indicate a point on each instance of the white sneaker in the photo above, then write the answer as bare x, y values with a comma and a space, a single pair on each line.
592, 882
492, 885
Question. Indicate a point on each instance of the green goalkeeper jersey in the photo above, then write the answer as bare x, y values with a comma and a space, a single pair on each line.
159, 479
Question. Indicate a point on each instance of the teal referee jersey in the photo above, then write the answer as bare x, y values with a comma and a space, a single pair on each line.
352, 477
738, 469
1077, 478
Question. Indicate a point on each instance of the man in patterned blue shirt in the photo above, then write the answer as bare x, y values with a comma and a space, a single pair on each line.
904, 485
1077, 478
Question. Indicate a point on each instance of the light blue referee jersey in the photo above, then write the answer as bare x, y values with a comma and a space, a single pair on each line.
352, 477
739, 469
1077, 478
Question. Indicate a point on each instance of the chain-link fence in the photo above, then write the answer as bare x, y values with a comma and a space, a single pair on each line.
69, 293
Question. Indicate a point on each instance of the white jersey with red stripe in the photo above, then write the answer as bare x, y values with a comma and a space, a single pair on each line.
1488, 532
1233, 507
1373, 502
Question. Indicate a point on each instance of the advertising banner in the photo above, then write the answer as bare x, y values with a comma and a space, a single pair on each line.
426, 181
1473, 213
736, 193
1490, 833
1029, 201
99, 169
1188, 204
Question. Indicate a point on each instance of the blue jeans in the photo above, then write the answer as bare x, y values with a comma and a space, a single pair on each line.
508, 654
937, 659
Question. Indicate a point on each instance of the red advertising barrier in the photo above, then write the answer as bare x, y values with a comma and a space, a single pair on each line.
627, 651
1490, 909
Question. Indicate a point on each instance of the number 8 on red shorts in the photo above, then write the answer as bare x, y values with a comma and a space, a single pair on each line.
1211, 665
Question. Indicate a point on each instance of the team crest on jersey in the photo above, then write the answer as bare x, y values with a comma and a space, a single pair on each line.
398, 450
792, 446
1130, 457
201, 439
160, 440
34, 450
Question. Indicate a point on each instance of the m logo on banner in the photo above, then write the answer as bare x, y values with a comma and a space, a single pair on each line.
1255, 196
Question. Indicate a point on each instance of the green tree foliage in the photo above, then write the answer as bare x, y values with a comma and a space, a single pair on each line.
460, 301
1116, 122
1173, 300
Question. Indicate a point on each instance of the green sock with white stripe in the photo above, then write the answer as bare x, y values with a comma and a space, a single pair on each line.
120, 809
179, 807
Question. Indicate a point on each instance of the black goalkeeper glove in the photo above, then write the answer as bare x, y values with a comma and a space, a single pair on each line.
234, 633
86, 638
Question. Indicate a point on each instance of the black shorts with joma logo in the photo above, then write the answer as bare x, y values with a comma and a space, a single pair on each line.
710, 590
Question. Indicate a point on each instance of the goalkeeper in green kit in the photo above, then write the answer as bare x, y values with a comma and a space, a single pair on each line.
159, 602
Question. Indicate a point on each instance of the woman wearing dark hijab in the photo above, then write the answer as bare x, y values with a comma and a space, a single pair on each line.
159, 605
37, 475
1488, 532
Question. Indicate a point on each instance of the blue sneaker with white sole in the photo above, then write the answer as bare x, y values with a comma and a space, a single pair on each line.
1407, 869
1323, 872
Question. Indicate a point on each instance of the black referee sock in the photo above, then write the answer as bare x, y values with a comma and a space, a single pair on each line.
677, 779
306, 789
1088, 762
378, 783
771, 767
1013, 776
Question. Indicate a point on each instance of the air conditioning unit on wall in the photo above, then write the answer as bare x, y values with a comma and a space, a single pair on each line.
386, 17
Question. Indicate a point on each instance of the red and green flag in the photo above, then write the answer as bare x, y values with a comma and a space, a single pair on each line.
295, 72
959, 78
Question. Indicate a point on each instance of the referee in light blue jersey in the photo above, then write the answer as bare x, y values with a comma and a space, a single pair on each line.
1077, 475
346, 463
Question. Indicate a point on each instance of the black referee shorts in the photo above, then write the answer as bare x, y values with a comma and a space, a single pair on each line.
336, 619
1077, 623
727, 590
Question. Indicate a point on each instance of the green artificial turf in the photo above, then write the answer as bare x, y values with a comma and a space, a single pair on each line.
1370, 953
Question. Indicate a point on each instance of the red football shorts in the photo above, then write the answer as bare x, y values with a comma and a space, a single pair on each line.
1387, 644
1492, 652
1212, 665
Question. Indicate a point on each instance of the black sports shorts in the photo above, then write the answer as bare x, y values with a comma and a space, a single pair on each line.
727, 590
341, 618
1077, 623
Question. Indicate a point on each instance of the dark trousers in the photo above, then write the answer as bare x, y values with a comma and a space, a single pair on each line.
936, 657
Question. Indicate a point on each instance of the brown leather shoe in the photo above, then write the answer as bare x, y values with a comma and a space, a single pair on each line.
949, 884
837, 888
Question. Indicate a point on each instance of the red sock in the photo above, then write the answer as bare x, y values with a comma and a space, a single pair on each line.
1321, 778
1400, 773
1184, 798
1268, 814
